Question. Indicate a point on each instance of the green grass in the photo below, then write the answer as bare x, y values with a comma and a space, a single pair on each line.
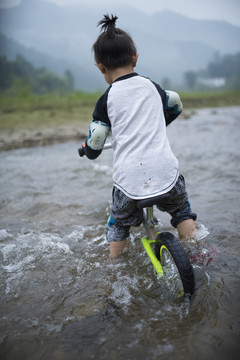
210, 99
36, 112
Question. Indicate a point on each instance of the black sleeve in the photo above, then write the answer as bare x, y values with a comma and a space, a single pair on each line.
162, 92
168, 114
100, 112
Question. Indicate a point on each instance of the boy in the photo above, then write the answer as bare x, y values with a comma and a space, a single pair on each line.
137, 111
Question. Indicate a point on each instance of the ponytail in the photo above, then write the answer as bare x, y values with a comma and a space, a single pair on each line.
108, 24
114, 47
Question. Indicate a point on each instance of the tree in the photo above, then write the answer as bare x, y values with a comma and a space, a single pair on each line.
22, 77
5, 78
166, 83
190, 79
69, 79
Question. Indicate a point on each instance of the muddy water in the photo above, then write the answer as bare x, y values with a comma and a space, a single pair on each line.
62, 298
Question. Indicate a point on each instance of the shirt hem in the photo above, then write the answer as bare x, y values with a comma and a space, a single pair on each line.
137, 197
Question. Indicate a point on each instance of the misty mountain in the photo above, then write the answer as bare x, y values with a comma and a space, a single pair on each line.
82, 78
61, 38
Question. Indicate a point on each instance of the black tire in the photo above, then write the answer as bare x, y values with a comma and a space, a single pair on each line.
180, 258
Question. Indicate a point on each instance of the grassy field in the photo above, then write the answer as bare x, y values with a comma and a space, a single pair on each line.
37, 112
210, 99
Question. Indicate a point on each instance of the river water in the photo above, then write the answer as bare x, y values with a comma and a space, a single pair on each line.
63, 298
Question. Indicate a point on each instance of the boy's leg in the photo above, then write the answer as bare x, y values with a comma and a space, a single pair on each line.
116, 247
117, 237
179, 208
187, 229
124, 214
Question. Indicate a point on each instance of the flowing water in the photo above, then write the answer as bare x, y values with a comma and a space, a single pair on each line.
63, 298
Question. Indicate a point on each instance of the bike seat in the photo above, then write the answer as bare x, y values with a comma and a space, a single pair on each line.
143, 203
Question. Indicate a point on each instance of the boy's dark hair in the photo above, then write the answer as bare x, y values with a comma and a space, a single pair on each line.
114, 47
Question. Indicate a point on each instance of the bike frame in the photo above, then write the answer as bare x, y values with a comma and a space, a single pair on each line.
149, 223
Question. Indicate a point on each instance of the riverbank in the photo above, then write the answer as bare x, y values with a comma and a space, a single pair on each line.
44, 120
22, 138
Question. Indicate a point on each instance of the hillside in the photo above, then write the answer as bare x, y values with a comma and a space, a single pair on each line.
61, 37
83, 78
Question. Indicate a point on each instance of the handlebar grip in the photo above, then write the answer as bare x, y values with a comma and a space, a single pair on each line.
81, 152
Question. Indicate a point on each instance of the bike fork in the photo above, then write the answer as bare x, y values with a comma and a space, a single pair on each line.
149, 223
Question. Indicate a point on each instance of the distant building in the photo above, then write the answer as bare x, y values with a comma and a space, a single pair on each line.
212, 82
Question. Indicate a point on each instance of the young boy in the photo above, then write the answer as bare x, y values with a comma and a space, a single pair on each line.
137, 111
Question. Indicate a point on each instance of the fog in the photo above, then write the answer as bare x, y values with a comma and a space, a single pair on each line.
60, 36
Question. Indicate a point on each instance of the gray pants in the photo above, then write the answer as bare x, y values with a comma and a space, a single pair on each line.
124, 211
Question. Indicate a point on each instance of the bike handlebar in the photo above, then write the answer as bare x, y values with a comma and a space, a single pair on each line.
107, 146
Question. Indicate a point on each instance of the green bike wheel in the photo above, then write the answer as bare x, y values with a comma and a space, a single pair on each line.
173, 258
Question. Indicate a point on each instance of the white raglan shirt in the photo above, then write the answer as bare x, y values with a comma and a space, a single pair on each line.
143, 163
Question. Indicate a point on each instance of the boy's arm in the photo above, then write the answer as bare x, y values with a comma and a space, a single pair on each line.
172, 106
98, 130
92, 148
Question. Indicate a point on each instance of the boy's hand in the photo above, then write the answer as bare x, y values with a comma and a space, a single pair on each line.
81, 151
90, 153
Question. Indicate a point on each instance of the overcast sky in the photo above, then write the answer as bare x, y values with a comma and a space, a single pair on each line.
227, 10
